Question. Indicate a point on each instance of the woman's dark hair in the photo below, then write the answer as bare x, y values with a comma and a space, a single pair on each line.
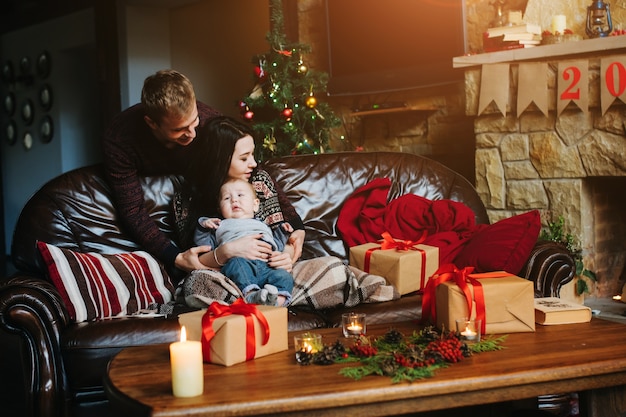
208, 169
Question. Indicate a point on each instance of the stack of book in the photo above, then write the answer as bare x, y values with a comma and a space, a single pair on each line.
525, 35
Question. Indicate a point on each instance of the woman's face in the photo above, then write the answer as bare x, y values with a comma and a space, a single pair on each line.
242, 163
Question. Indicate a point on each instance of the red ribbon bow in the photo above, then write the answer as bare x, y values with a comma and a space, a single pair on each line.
217, 310
389, 242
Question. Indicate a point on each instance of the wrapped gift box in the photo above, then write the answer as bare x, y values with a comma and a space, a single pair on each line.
508, 300
407, 270
228, 346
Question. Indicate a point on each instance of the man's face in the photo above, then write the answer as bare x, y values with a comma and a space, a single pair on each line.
173, 130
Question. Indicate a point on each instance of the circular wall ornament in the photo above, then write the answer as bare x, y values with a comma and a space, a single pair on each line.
9, 103
25, 65
45, 97
28, 112
11, 132
46, 129
44, 65
27, 141
7, 72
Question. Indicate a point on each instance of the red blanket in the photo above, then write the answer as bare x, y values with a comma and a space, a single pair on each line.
366, 215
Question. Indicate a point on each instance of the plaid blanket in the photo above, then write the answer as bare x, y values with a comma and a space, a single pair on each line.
323, 282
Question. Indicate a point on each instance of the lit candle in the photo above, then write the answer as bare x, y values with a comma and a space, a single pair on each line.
558, 24
187, 369
354, 329
468, 334
353, 324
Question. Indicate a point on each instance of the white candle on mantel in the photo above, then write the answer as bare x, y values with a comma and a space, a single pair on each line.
187, 369
559, 24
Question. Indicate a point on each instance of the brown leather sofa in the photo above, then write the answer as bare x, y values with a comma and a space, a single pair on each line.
55, 367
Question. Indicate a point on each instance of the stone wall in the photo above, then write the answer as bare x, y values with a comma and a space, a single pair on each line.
558, 165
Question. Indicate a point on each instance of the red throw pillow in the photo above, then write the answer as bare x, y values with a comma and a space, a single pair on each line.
502, 246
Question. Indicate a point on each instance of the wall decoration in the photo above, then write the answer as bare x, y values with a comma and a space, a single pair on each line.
11, 132
27, 141
28, 112
44, 65
8, 74
46, 129
572, 85
25, 65
9, 104
45, 97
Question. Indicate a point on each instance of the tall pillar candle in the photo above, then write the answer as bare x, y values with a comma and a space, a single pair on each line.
187, 368
558, 24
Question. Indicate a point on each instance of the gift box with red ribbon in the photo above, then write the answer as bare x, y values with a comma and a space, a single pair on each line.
503, 301
238, 332
404, 264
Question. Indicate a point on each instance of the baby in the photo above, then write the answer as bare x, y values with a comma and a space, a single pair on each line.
259, 283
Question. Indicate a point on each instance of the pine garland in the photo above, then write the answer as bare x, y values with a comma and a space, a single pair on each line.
400, 357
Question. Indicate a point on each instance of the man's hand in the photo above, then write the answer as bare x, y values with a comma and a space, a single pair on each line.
188, 260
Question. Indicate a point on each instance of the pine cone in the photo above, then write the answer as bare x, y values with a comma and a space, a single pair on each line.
304, 357
429, 333
389, 366
393, 336
326, 356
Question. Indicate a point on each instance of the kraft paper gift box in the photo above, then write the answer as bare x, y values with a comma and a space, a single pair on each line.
508, 303
407, 267
228, 345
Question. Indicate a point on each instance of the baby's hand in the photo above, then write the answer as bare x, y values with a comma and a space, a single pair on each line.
287, 227
211, 223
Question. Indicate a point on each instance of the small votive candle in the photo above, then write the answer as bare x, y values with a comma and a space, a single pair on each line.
559, 24
187, 368
468, 329
353, 324
306, 344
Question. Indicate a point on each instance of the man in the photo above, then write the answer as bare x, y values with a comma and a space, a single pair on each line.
154, 137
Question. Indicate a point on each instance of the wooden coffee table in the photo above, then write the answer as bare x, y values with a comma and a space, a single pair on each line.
589, 357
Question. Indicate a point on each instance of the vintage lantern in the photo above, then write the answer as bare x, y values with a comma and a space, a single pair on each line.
598, 20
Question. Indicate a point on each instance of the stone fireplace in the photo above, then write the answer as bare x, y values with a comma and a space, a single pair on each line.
573, 165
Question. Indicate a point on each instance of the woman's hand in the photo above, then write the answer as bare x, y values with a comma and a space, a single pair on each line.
281, 260
249, 247
296, 239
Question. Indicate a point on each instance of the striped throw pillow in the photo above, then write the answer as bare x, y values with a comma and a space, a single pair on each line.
95, 286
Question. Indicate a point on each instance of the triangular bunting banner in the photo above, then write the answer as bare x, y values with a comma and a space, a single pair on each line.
494, 86
531, 86
612, 81
572, 85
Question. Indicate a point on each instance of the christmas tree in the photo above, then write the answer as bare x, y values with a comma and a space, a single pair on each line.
284, 106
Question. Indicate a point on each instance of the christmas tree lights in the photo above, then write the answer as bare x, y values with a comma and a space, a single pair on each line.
286, 106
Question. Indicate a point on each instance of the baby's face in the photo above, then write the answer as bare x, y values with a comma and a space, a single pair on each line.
238, 201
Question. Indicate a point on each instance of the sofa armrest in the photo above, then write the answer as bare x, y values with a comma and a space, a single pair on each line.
32, 308
550, 266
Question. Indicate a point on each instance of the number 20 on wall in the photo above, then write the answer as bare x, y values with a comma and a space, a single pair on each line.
613, 80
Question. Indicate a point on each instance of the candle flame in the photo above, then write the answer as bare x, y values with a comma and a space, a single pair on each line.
183, 334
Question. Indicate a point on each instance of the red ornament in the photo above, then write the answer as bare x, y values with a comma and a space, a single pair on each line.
248, 115
258, 71
287, 113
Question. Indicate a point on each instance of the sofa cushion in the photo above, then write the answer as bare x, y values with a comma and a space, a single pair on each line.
96, 286
502, 246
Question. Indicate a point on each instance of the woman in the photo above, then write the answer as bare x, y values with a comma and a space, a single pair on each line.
228, 154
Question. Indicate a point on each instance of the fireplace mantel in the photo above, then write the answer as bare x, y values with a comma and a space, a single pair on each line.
597, 46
